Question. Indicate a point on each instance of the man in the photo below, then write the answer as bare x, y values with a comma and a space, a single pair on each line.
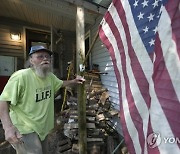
27, 103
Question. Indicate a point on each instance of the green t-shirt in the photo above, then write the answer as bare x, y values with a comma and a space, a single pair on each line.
31, 101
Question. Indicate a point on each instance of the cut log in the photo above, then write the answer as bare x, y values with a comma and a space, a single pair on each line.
97, 92
92, 107
110, 144
88, 118
64, 145
75, 125
72, 99
100, 117
75, 148
93, 139
88, 112
65, 141
64, 148
95, 149
104, 97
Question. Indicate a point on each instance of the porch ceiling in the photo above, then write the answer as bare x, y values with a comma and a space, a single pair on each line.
59, 13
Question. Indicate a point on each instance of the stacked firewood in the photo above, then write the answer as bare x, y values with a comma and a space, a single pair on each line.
98, 117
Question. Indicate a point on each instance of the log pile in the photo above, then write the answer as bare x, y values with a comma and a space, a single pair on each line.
101, 136
98, 116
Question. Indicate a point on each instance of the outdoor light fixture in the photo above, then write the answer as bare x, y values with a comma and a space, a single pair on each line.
15, 36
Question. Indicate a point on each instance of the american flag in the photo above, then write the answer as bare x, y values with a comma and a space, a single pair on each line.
143, 38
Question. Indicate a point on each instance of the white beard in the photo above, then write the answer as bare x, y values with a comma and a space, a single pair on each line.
42, 72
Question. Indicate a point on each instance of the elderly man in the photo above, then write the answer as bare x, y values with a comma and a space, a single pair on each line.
27, 103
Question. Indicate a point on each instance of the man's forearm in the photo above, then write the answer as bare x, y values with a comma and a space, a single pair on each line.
4, 115
77, 80
68, 82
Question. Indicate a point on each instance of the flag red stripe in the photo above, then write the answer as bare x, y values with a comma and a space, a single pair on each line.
175, 17
173, 114
122, 118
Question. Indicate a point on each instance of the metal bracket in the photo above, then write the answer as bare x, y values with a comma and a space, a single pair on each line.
82, 68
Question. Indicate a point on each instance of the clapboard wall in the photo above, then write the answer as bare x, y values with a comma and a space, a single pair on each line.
101, 56
9, 47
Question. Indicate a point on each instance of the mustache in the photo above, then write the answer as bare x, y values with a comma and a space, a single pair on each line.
45, 62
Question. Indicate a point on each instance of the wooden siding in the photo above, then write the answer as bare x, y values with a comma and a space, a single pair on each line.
101, 56
9, 47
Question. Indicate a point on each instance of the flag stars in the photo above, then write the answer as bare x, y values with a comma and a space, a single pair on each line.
145, 3
152, 42
135, 3
146, 15
150, 17
155, 3
155, 30
146, 29
140, 16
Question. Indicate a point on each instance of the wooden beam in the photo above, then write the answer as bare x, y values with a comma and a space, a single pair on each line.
89, 6
60, 8
80, 55
97, 1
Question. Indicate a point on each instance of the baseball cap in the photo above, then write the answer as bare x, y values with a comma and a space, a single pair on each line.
37, 48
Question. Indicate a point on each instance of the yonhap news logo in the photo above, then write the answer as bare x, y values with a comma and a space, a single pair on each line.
155, 139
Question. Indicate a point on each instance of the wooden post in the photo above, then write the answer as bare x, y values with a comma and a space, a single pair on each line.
52, 47
80, 56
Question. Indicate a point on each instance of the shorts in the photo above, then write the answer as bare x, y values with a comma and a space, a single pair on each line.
31, 144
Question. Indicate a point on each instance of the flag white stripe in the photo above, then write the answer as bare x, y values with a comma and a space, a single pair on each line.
168, 45
138, 99
130, 125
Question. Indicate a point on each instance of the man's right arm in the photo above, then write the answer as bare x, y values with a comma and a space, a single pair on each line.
12, 135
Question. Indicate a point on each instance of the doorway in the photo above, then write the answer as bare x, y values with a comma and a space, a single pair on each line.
37, 37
